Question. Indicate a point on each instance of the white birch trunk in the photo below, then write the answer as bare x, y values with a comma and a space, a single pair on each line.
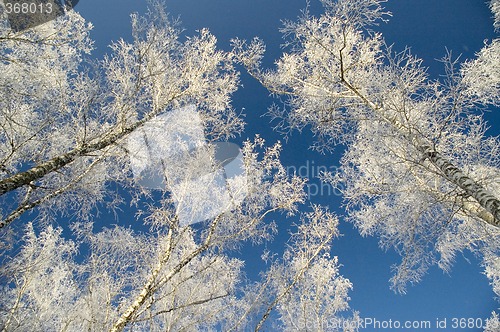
35, 173
487, 200
146, 291
152, 283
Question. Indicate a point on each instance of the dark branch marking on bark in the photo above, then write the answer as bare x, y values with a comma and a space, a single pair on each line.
468, 185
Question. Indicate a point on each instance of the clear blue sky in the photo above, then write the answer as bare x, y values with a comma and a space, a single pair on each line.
428, 26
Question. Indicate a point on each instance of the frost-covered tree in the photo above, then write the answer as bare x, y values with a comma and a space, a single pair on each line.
482, 75
179, 278
65, 122
419, 170
307, 289
70, 128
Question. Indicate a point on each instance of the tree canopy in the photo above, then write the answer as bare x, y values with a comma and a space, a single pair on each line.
418, 171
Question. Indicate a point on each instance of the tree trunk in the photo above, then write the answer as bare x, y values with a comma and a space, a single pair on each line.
153, 281
487, 200
35, 173
471, 188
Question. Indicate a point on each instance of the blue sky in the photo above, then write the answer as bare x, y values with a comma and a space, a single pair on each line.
429, 27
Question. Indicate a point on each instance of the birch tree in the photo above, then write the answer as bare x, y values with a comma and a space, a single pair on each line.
308, 291
419, 170
65, 122
67, 127
179, 278
482, 75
